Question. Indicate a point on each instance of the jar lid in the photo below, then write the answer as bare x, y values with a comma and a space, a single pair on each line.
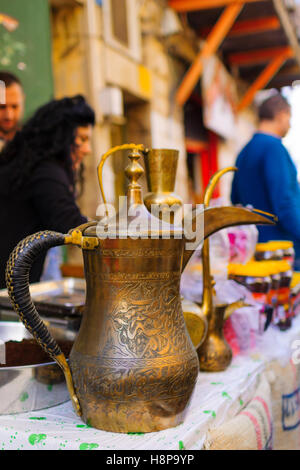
252, 269
268, 246
284, 266
259, 268
282, 244
295, 280
276, 267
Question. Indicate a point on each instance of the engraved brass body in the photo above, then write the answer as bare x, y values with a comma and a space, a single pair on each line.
161, 169
133, 365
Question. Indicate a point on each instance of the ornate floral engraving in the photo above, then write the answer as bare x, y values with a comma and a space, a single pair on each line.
130, 384
137, 253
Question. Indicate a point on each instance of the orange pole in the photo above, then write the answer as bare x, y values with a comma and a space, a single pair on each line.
262, 80
192, 5
258, 25
259, 56
245, 27
212, 43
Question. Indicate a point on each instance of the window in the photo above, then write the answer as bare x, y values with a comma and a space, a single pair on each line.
121, 26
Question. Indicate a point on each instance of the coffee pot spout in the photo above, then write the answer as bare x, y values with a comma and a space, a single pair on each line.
211, 220
215, 354
231, 308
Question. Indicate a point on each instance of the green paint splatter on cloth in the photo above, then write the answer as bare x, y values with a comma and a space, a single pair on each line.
83, 426
216, 383
225, 394
213, 413
136, 433
39, 418
87, 446
49, 387
24, 396
181, 445
36, 438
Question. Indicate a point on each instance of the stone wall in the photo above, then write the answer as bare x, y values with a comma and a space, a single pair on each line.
84, 62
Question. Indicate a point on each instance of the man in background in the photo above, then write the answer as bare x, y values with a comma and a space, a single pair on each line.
267, 177
11, 111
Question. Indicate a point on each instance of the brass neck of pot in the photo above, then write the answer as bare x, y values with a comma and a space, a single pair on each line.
216, 321
161, 167
208, 282
207, 296
133, 172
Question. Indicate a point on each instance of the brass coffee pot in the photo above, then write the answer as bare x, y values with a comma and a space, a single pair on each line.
133, 366
214, 352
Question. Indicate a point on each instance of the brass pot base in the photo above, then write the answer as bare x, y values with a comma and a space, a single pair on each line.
140, 418
146, 398
214, 357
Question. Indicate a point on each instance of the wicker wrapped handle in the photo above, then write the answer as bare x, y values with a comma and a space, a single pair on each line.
17, 281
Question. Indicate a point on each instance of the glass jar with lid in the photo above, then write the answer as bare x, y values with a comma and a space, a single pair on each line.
269, 251
256, 277
287, 248
295, 294
273, 268
283, 314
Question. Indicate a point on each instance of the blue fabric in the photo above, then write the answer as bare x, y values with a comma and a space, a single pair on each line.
267, 179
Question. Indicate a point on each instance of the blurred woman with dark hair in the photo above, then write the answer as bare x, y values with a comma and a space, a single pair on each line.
39, 170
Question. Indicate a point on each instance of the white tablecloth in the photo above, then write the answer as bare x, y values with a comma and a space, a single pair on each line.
217, 398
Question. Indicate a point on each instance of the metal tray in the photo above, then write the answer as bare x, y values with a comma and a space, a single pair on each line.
31, 388
63, 297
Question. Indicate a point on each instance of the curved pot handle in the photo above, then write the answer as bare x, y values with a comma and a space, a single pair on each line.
17, 281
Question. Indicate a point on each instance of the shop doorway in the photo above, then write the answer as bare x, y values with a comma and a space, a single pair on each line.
201, 148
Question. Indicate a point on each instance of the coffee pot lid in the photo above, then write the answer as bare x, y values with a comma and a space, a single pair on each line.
133, 219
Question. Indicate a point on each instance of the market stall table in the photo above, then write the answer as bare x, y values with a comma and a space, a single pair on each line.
232, 409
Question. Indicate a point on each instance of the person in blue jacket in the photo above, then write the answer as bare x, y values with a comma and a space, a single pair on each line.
267, 177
